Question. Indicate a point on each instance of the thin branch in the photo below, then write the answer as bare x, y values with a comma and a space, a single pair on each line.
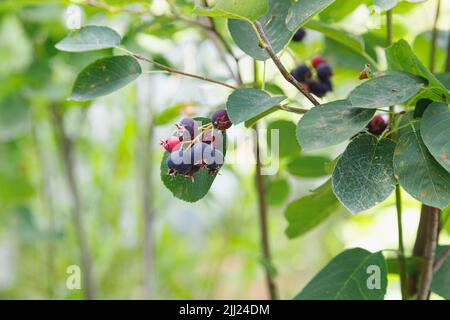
292, 109
265, 44
262, 203
186, 74
434, 37
440, 260
401, 248
429, 253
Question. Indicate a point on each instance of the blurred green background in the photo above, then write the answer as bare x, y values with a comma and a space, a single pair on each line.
102, 158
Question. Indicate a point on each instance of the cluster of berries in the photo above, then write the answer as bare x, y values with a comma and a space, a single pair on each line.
322, 84
197, 146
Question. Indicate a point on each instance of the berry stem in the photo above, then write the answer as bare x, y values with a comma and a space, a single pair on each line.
265, 44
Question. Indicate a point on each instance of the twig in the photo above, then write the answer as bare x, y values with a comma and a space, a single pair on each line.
429, 253
440, 260
262, 203
434, 37
401, 248
292, 109
265, 44
191, 75
66, 150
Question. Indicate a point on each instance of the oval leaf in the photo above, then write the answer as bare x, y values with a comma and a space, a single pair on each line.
274, 27
277, 191
330, 124
89, 38
105, 76
435, 131
304, 10
355, 274
389, 89
418, 172
309, 211
186, 189
308, 166
364, 176
244, 104
248, 10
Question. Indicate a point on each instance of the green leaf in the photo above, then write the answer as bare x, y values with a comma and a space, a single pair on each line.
364, 176
351, 275
444, 78
186, 189
244, 104
435, 131
441, 279
249, 10
340, 9
286, 137
303, 10
309, 211
308, 166
274, 27
386, 5
389, 89
417, 170
277, 191
400, 57
354, 42
105, 76
412, 264
330, 124
168, 115
89, 38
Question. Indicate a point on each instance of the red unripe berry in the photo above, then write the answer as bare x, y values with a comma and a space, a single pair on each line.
377, 125
171, 144
317, 61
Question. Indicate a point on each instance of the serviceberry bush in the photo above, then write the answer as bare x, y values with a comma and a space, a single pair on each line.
395, 124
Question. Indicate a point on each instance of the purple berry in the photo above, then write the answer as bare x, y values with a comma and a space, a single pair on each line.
318, 88
299, 35
377, 125
302, 73
179, 163
186, 129
220, 120
327, 84
324, 72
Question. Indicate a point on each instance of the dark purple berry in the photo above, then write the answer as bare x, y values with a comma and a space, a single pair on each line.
318, 88
377, 125
302, 73
186, 129
220, 120
327, 84
179, 163
324, 72
213, 160
299, 35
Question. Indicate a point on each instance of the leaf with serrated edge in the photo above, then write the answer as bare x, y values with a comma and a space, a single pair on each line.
391, 88
330, 124
364, 176
89, 38
348, 277
244, 104
105, 76
417, 170
435, 131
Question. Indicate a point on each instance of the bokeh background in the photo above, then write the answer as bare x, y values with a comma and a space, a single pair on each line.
103, 158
